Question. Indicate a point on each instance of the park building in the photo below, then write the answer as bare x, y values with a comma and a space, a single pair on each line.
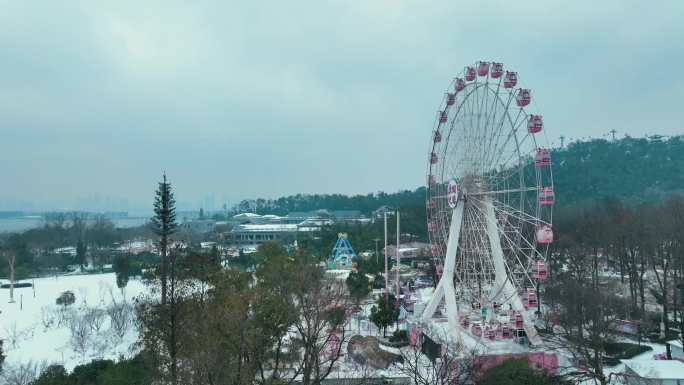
256, 234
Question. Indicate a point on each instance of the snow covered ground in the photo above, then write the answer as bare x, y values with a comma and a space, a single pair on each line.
36, 329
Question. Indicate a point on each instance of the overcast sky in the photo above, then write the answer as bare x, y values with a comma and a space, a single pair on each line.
263, 99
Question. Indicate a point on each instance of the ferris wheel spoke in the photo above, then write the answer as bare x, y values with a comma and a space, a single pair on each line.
505, 114
513, 247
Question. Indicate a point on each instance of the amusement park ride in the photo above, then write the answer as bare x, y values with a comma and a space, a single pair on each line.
489, 209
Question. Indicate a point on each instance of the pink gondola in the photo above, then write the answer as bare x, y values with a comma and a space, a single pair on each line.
535, 123
518, 321
460, 84
433, 158
524, 97
431, 204
477, 330
440, 269
451, 99
482, 68
546, 196
432, 226
436, 250
510, 79
530, 298
544, 234
539, 271
496, 70
437, 137
506, 331
470, 74
431, 181
465, 322
543, 158
442, 117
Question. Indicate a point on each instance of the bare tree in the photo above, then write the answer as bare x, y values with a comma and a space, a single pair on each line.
48, 316
79, 327
22, 374
454, 365
96, 318
11, 258
120, 317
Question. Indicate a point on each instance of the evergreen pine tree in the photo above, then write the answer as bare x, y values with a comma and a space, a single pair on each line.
2, 356
164, 225
81, 249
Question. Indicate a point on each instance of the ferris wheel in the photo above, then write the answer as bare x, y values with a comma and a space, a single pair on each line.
489, 205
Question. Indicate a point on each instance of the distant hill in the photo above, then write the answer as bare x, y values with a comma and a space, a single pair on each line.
630, 169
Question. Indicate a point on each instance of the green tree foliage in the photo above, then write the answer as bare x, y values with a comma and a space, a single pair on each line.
65, 299
81, 249
164, 225
268, 250
384, 313
134, 371
228, 329
358, 286
52, 375
2, 356
517, 372
122, 269
630, 169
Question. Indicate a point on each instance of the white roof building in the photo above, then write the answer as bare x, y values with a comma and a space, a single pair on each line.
676, 349
651, 372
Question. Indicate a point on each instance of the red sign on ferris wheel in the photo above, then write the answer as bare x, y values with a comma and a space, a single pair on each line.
452, 193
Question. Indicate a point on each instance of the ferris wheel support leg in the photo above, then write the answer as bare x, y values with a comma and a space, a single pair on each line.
504, 284
445, 288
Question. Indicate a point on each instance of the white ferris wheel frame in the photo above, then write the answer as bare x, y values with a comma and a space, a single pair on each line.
494, 236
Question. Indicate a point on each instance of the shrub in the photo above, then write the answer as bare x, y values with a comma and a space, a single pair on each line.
65, 299
399, 336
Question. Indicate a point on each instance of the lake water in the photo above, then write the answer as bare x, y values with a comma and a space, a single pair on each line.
22, 224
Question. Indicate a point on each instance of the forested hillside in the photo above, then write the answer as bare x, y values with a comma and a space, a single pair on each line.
630, 169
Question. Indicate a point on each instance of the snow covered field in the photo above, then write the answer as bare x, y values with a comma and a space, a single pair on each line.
100, 323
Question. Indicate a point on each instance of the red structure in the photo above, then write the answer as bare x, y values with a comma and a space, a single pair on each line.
518, 321
433, 158
496, 70
470, 74
544, 235
543, 158
451, 99
477, 330
510, 79
460, 84
483, 68
524, 97
535, 123
539, 271
530, 298
546, 196
431, 204
442, 117
437, 137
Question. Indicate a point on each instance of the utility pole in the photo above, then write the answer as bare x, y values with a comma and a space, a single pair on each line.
386, 264
562, 138
376, 250
398, 261
613, 132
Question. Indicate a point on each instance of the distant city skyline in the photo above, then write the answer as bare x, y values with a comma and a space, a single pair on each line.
238, 100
